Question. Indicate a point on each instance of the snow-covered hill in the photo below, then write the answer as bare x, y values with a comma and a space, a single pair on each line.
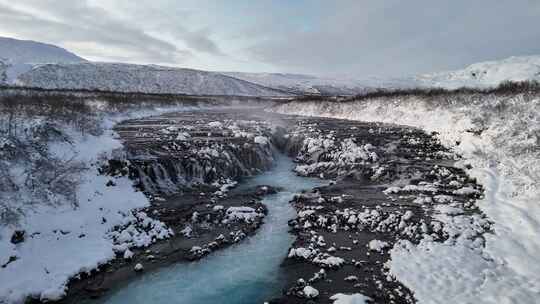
299, 83
486, 74
26, 51
139, 78
18, 56
307, 84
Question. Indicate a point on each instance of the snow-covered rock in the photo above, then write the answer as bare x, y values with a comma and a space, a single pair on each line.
138, 267
261, 140
245, 214
310, 292
355, 298
377, 245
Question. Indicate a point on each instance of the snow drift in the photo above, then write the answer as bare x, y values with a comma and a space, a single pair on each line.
499, 135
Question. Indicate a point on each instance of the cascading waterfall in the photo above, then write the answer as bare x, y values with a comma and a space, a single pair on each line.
247, 272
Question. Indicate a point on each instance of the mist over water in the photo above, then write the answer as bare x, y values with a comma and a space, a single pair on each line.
248, 272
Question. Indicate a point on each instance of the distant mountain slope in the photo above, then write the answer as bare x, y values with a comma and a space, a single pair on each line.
307, 84
26, 51
139, 78
486, 74
302, 84
19, 56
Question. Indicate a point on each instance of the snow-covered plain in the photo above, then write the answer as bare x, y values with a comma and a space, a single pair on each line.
87, 234
500, 137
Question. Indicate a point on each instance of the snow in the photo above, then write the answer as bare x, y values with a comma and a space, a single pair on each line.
261, 140
301, 252
138, 78
377, 245
245, 214
299, 83
62, 241
128, 254
487, 74
309, 84
355, 298
138, 267
19, 56
183, 136
215, 124
408, 215
27, 51
505, 159
326, 260
310, 292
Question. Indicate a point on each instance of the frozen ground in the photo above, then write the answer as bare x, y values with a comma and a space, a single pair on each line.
499, 137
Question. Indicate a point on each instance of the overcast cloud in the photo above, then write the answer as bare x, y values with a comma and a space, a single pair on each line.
354, 38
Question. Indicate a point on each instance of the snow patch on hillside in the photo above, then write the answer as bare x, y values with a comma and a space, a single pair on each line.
499, 137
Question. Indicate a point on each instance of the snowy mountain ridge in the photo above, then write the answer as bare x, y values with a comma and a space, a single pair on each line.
19, 56
477, 75
124, 77
42, 65
308, 84
27, 51
486, 74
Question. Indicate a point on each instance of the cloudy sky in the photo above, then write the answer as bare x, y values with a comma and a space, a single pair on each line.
353, 38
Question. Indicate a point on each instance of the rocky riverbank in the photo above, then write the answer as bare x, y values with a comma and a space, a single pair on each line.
188, 164
390, 185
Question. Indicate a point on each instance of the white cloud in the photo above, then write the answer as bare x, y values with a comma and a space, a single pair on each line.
358, 38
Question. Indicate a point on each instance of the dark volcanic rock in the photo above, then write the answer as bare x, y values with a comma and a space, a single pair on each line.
388, 182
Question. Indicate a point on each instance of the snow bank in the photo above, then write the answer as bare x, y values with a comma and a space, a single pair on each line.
499, 137
354, 298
